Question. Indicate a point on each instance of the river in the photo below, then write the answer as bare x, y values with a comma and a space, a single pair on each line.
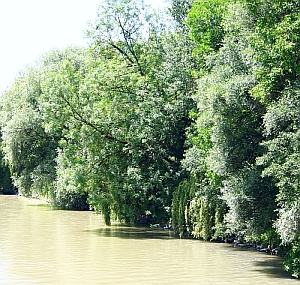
40, 245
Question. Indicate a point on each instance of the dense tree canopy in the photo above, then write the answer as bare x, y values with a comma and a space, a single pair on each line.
114, 116
189, 117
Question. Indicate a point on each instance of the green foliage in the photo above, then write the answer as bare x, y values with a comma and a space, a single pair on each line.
228, 117
179, 11
120, 110
72, 201
270, 237
207, 218
70, 184
28, 150
202, 218
276, 42
180, 206
225, 139
194, 117
251, 202
292, 262
6, 186
197, 209
205, 22
147, 106
281, 159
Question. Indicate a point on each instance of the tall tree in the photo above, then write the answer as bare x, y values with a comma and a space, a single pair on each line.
123, 115
277, 44
225, 140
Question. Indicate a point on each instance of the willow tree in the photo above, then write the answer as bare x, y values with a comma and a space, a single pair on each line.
149, 94
123, 114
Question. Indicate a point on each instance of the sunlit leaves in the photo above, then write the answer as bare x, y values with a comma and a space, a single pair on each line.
205, 22
276, 42
119, 111
28, 150
227, 132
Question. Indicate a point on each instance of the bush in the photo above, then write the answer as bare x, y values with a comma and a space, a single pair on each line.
72, 201
292, 262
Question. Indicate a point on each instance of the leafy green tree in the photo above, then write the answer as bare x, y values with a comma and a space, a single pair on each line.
181, 220
63, 72
225, 139
205, 23
121, 114
276, 41
246, 122
276, 44
179, 10
28, 150
282, 157
292, 263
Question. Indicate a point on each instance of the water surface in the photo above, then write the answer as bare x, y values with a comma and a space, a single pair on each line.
39, 245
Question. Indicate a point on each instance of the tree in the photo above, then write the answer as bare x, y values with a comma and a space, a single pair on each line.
277, 43
179, 10
226, 136
28, 150
282, 157
205, 23
122, 113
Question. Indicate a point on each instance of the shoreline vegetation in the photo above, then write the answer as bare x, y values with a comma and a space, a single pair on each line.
187, 116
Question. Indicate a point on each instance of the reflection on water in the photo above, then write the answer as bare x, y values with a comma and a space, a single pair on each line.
272, 268
39, 245
133, 233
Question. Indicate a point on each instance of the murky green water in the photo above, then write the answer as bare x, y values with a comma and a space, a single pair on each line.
43, 246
